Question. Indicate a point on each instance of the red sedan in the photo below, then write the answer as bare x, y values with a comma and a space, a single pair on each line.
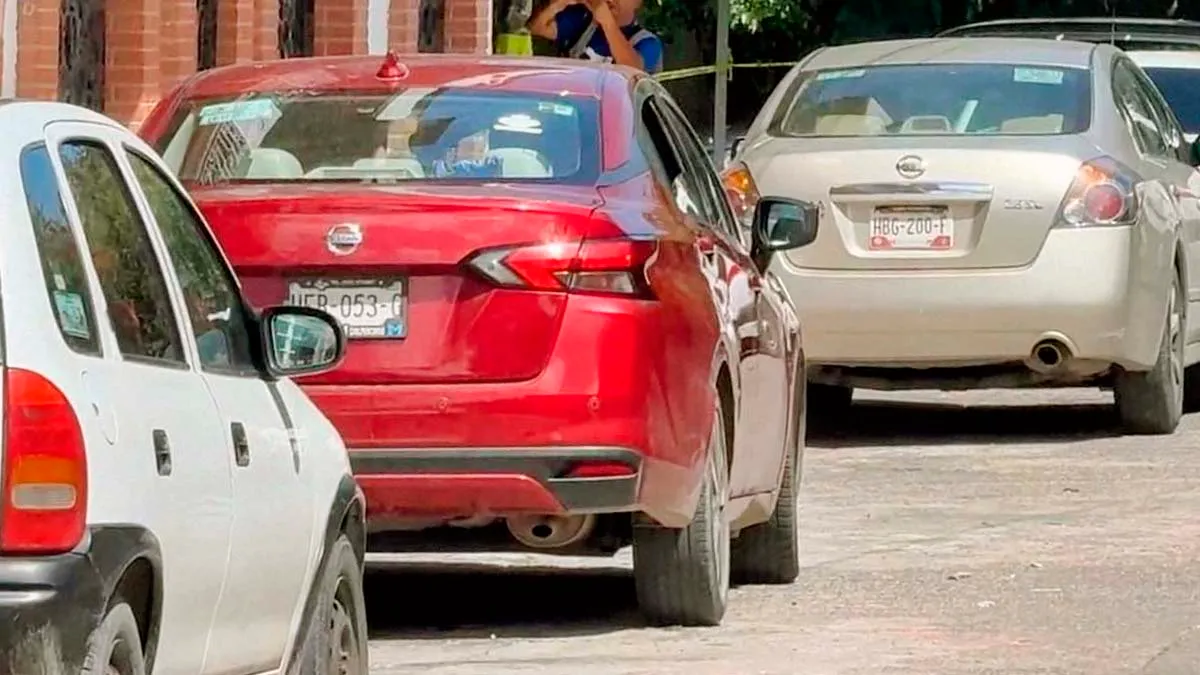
560, 337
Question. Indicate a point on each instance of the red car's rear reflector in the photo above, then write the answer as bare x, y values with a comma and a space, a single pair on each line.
600, 470
602, 266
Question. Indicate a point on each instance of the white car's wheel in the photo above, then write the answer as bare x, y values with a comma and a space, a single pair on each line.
1151, 402
682, 575
115, 647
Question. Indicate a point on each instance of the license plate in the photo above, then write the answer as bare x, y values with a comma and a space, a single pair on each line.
912, 228
366, 308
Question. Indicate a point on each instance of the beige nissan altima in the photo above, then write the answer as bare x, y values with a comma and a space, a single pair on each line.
995, 212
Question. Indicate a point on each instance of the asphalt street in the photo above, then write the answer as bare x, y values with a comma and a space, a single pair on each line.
989, 532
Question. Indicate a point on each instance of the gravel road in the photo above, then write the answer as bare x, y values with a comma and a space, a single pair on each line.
990, 532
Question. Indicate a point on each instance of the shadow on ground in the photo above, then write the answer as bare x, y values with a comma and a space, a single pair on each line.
479, 601
919, 423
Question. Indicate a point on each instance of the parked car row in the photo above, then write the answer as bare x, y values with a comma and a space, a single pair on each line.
997, 212
508, 304
515, 290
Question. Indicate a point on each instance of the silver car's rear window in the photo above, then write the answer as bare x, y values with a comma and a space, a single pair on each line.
937, 99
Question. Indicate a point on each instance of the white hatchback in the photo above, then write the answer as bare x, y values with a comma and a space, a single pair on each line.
171, 503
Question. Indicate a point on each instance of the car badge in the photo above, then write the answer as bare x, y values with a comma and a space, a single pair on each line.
910, 166
344, 239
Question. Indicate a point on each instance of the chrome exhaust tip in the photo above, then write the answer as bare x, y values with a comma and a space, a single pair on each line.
547, 532
1048, 356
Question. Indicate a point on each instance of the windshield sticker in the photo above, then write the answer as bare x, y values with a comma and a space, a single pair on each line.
518, 123
840, 74
556, 109
71, 316
1038, 75
257, 109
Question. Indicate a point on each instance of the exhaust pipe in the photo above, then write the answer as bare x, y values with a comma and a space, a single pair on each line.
545, 532
1048, 356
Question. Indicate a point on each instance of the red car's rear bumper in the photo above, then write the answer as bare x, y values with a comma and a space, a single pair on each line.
621, 385
451, 483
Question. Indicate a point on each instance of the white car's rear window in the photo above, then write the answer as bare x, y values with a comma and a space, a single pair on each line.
935, 99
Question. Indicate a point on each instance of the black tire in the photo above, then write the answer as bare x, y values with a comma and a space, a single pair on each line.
337, 638
115, 647
682, 575
769, 553
1151, 402
1191, 389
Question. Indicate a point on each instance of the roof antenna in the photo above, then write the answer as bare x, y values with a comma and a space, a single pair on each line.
1112, 38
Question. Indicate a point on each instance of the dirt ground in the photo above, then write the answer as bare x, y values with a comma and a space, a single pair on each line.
991, 532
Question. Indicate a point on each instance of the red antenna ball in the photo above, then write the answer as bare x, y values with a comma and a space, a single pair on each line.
392, 70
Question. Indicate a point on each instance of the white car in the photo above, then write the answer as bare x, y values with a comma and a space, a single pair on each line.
1167, 49
1176, 73
171, 502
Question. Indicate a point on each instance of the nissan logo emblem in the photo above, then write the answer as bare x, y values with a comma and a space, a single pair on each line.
344, 239
910, 166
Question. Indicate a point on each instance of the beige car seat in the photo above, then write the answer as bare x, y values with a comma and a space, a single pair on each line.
268, 163
849, 125
1044, 124
521, 163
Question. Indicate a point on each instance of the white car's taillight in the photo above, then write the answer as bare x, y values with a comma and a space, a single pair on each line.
43, 507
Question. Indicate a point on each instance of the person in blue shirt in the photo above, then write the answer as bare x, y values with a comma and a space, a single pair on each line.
599, 30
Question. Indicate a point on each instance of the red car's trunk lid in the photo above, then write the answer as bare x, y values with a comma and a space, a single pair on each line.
386, 261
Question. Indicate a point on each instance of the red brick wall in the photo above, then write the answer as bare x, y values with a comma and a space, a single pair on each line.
341, 27
152, 43
467, 23
37, 49
402, 25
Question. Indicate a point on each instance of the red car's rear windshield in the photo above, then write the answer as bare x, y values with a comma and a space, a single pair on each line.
413, 134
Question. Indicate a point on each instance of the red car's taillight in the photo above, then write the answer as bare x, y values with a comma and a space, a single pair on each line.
1102, 194
43, 508
600, 266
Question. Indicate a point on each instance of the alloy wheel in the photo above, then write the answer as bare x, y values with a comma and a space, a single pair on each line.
718, 522
346, 653
1175, 343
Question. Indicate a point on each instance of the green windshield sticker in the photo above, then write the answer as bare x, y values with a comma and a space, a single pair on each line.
1038, 75
238, 111
840, 74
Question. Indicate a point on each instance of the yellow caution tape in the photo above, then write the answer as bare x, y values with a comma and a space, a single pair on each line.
683, 73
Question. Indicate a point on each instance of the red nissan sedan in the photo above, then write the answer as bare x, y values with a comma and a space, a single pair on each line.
560, 337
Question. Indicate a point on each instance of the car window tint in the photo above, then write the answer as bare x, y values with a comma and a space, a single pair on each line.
62, 264
1179, 87
1138, 112
679, 181
215, 310
135, 290
664, 161
977, 99
719, 214
416, 133
1163, 116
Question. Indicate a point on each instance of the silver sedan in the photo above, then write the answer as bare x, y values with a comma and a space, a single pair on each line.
995, 212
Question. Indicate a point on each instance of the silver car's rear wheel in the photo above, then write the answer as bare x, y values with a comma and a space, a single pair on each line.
1151, 402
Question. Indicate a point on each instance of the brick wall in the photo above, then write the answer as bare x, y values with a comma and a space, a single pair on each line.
151, 44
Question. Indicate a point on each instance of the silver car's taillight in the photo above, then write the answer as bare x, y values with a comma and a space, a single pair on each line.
1102, 194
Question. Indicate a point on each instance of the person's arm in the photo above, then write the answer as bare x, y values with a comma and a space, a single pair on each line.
544, 24
623, 52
